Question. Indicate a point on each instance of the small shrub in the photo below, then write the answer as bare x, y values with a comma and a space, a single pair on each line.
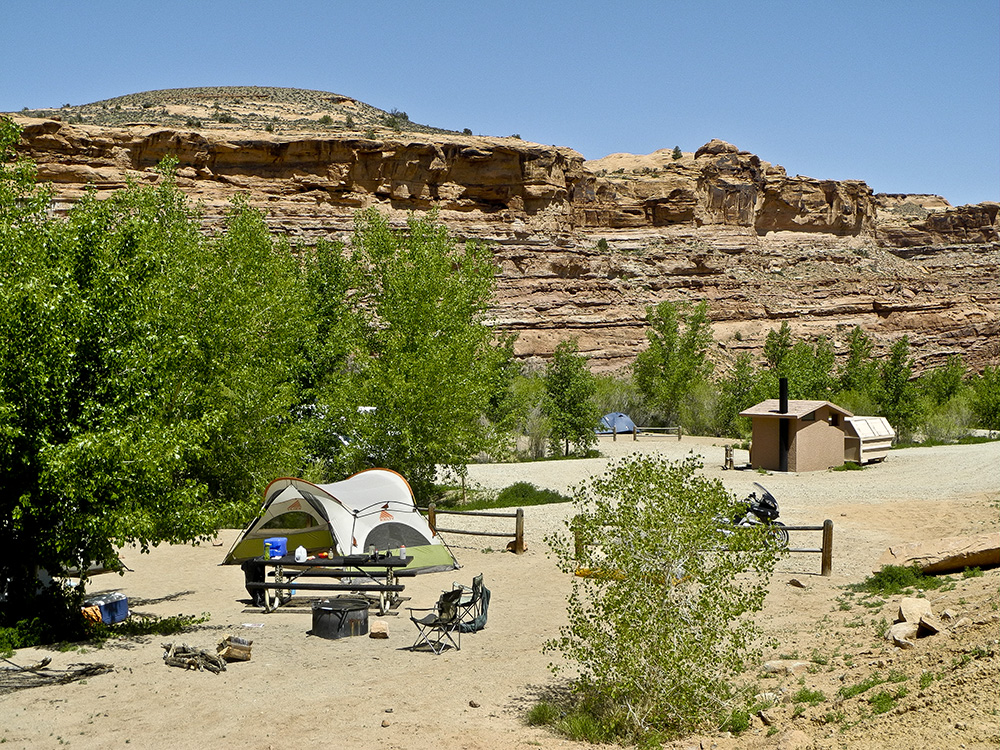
849, 691
525, 493
848, 466
677, 154
738, 722
583, 727
897, 579
881, 702
812, 697
542, 713
466, 131
326, 120
972, 573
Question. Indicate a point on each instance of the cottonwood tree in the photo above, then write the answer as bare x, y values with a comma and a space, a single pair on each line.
744, 387
986, 398
895, 395
859, 372
676, 361
660, 617
403, 330
144, 376
569, 406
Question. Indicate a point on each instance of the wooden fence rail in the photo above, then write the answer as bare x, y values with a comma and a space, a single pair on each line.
635, 433
826, 548
518, 536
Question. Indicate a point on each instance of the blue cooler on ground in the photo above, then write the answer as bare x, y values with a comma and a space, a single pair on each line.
114, 607
279, 545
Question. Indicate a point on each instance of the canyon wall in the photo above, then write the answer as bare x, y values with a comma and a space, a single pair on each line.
584, 247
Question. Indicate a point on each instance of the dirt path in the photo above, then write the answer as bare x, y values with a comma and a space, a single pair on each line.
303, 691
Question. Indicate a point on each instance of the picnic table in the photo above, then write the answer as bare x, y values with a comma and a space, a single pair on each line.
378, 573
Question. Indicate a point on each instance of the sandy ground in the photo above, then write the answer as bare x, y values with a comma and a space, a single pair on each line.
303, 691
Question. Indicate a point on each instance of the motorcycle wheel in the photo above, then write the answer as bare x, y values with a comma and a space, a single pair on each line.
780, 533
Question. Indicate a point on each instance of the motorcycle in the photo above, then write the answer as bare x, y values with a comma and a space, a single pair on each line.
762, 510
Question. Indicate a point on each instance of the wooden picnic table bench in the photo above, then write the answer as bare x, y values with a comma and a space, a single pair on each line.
287, 572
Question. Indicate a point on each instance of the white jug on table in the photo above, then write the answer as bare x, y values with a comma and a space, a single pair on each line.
300, 554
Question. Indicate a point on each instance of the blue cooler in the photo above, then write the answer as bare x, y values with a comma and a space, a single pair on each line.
114, 607
279, 545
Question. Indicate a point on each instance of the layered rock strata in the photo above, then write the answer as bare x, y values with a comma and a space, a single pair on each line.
584, 247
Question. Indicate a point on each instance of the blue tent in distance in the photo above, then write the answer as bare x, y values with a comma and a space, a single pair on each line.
616, 422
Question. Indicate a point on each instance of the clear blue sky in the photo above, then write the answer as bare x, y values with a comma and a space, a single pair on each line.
903, 95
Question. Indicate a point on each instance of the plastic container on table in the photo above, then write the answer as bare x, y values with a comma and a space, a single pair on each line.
279, 545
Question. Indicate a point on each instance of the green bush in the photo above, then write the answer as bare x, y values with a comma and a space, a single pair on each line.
525, 493
662, 625
896, 579
812, 697
543, 713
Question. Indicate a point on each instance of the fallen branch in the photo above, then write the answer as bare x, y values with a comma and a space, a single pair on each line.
16, 677
187, 657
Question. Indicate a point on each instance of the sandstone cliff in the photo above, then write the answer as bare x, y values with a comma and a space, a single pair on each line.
584, 247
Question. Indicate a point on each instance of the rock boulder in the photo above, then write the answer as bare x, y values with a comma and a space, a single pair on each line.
947, 555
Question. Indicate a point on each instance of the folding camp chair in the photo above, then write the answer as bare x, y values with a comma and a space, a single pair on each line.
470, 604
435, 628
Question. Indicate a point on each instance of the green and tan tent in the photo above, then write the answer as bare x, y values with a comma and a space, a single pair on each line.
372, 509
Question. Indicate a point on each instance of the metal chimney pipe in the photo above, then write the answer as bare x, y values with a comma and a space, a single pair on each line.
783, 395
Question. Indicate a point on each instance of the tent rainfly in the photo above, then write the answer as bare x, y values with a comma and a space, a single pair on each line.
616, 422
867, 439
371, 509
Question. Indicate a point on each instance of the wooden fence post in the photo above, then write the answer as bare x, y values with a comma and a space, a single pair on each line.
431, 518
827, 565
519, 532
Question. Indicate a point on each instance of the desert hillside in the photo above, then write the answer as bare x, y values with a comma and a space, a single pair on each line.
583, 246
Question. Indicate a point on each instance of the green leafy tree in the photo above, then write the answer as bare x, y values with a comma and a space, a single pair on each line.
402, 323
809, 369
986, 398
744, 387
526, 414
859, 372
777, 348
659, 624
943, 383
617, 393
896, 396
570, 407
676, 153
144, 378
676, 360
